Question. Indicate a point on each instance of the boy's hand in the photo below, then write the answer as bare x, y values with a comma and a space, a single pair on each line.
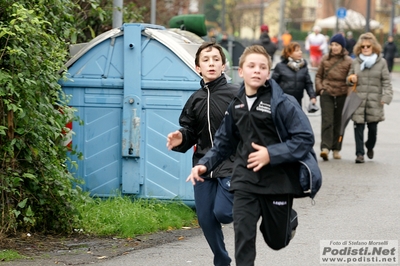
259, 158
174, 139
195, 174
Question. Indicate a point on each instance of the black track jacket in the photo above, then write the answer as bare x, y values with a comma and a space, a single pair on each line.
201, 118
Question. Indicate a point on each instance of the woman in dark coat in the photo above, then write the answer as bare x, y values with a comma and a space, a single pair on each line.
292, 73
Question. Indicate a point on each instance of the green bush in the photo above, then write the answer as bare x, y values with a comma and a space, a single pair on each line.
36, 189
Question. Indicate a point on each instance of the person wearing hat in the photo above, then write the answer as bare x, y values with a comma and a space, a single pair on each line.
266, 42
315, 45
330, 85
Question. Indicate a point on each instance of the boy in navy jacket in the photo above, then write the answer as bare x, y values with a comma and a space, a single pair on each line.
273, 141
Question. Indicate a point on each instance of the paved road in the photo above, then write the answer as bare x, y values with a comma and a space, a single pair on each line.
356, 202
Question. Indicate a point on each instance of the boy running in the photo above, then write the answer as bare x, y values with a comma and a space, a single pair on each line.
271, 135
200, 119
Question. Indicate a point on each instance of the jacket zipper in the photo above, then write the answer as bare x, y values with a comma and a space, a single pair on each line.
209, 121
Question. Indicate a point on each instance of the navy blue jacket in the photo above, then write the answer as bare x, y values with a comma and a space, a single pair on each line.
295, 149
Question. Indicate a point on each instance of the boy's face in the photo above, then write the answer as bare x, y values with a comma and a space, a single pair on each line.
210, 64
255, 71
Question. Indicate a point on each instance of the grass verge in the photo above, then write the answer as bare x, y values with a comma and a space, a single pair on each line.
123, 217
9, 255
396, 67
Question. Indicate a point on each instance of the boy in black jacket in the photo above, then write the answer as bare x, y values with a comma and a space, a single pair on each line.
200, 119
273, 141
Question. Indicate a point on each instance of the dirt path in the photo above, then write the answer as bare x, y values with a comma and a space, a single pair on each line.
81, 250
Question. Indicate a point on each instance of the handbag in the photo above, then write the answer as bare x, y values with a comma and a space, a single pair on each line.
337, 62
312, 107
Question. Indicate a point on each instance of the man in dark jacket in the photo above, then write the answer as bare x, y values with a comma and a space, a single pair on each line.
199, 120
265, 41
390, 52
350, 42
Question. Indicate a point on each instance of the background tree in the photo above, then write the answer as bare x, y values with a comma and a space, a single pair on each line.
233, 15
94, 17
211, 11
166, 9
251, 18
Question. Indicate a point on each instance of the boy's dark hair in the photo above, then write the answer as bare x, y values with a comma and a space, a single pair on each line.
209, 46
289, 49
254, 49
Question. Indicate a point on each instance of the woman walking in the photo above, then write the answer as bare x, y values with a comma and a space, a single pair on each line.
369, 70
292, 73
330, 83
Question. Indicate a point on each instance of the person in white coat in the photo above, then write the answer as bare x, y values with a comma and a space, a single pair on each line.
316, 44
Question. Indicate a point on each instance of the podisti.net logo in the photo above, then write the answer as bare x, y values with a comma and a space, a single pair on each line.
359, 252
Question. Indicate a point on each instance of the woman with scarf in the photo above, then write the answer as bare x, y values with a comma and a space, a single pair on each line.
370, 72
292, 73
330, 84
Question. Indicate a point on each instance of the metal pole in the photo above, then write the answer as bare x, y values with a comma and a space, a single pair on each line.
262, 12
367, 18
391, 28
117, 13
282, 17
337, 19
153, 12
223, 16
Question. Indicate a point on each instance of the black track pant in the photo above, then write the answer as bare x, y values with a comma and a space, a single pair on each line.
278, 221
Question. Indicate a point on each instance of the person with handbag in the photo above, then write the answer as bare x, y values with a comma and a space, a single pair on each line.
371, 74
330, 84
292, 73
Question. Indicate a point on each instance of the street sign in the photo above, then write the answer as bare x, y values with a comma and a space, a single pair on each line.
341, 12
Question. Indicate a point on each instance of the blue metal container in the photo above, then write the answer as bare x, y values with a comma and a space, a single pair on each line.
129, 86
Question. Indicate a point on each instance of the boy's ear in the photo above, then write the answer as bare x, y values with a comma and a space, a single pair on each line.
198, 69
240, 72
223, 68
269, 74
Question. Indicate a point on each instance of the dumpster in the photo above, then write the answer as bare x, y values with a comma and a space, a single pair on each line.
129, 86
